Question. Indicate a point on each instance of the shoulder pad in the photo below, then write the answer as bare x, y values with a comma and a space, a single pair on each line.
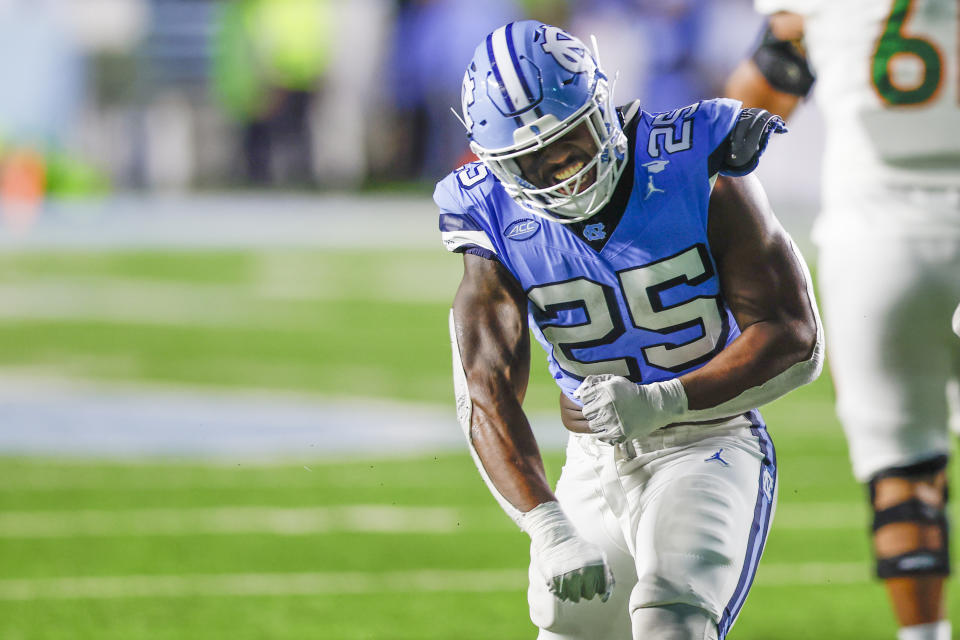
463, 225
740, 152
700, 126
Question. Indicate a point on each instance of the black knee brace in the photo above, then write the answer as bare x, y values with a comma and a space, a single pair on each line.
921, 561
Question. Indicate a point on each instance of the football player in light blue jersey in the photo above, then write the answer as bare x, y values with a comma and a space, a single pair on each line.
670, 303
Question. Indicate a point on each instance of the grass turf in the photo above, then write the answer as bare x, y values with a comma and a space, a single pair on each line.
485, 541
353, 323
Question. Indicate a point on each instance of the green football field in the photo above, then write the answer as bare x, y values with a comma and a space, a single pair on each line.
361, 548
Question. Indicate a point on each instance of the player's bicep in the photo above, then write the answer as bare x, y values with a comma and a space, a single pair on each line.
491, 323
762, 276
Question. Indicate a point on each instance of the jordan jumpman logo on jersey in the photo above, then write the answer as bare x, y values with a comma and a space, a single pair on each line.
654, 167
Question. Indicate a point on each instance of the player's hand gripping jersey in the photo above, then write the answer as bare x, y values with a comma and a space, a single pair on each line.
637, 297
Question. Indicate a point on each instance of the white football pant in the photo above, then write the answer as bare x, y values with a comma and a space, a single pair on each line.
682, 516
887, 306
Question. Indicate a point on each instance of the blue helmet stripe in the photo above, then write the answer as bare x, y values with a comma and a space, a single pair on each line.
516, 64
496, 73
516, 101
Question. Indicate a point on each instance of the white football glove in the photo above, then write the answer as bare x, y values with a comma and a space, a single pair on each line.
572, 567
618, 409
956, 321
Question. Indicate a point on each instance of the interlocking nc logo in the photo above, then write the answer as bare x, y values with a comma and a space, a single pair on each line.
594, 231
768, 484
566, 50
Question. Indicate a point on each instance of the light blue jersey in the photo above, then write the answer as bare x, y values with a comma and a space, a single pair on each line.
641, 299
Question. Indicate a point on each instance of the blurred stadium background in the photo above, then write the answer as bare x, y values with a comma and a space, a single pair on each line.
226, 409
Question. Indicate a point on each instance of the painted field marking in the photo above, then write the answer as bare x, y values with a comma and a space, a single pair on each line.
229, 520
784, 574
821, 515
132, 301
177, 302
314, 520
320, 583
33, 481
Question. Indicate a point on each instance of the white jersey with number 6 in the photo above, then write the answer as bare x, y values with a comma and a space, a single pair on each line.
889, 233
887, 85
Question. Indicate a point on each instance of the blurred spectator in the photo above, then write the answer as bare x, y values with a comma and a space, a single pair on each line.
548, 11
268, 61
668, 53
432, 43
42, 73
41, 91
178, 93
351, 123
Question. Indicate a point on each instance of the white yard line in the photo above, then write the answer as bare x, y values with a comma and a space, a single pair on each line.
423, 581
135, 302
143, 301
263, 584
789, 574
821, 516
229, 520
318, 520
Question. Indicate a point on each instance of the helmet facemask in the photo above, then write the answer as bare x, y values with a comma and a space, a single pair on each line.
572, 198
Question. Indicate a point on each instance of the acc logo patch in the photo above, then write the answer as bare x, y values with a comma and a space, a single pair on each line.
523, 229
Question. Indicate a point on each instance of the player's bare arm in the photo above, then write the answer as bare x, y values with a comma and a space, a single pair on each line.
777, 76
491, 319
492, 342
765, 284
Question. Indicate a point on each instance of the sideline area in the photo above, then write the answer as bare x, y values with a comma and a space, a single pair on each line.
46, 414
65, 418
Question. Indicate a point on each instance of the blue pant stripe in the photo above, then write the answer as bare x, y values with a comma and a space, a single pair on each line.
759, 528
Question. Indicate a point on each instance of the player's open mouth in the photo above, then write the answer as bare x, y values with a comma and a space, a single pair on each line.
568, 173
